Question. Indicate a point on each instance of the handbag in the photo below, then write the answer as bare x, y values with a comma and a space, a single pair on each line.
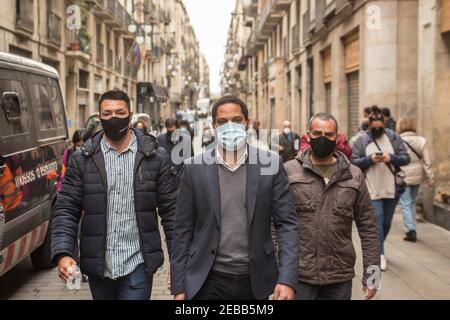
400, 183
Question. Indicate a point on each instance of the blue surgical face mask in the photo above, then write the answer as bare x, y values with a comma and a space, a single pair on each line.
231, 136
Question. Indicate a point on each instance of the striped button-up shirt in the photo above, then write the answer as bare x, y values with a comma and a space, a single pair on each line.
123, 253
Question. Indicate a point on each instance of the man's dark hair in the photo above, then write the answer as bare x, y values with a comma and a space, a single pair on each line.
115, 95
79, 136
182, 123
386, 112
375, 109
368, 110
324, 117
226, 100
170, 122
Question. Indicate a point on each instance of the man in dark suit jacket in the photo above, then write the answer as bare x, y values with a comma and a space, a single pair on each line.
228, 198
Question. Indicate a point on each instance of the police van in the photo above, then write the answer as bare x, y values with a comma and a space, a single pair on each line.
33, 136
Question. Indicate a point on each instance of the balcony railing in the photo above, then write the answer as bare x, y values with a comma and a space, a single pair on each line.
100, 53
272, 13
24, 15
54, 28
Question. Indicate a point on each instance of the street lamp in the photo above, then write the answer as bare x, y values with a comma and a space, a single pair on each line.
148, 29
140, 39
132, 28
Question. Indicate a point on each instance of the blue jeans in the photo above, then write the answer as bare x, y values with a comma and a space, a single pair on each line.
384, 212
135, 286
408, 202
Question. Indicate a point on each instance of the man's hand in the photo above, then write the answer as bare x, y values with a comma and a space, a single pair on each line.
370, 292
283, 292
180, 296
63, 264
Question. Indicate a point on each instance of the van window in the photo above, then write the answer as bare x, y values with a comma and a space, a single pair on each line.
48, 107
16, 125
44, 108
58, 107
15, 117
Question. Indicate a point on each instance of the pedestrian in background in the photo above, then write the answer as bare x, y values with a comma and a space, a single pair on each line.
365, 122
120, 239
222, 246
380, 152
78, 140
207, 136
142, 126
287, 143
169, 140
389, 121
329, 194
419, 170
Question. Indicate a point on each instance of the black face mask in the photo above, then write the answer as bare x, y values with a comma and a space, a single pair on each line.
116, 128
322, 146
377, 132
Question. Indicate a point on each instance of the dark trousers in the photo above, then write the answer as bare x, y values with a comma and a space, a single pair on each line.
336, 291
225, 286
135, 286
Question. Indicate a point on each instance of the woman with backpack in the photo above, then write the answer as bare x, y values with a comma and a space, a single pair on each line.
417, 171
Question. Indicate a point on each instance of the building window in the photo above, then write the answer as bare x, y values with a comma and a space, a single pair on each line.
311, 86
328, 97
353, 102
84, 79
289, 96
312, 10
20, 52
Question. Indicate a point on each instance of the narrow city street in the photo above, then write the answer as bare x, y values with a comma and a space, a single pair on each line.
352, 96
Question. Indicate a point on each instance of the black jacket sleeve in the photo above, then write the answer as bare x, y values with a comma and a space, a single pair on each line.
167, 198
285, 220
183, 232
67, 213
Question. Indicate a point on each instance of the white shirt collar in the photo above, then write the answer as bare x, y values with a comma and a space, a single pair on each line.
231, 167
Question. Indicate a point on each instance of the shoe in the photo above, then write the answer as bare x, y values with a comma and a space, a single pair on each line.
410, 236
383, 264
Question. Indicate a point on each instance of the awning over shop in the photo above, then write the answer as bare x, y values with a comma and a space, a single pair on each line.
147, 89
160, 93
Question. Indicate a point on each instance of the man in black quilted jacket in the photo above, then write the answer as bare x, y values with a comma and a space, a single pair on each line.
117, 183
